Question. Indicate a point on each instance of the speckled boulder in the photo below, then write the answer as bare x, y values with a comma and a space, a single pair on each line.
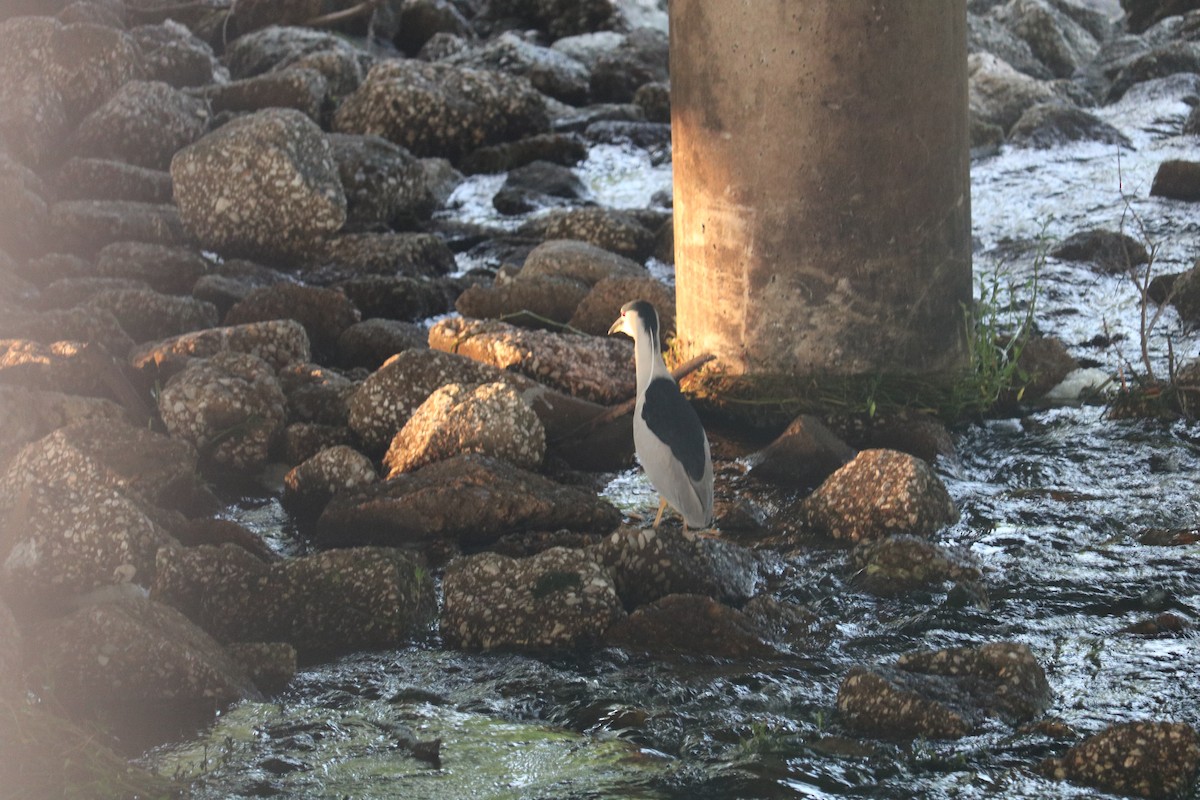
150, 316
32, 117
944, 694
30, 414
1142, 759
648, 564
304, 90
490, 418
137, 462
173, 54
278, 342
562, 17
323, 604
308, 486
70, 367
229, 406
441, 110
560, 599
144, 123
999, 95
75, 536
170, 270
85, 226
602, 305
24, 214
370, 343
79, 324
470, 499
803, 456
71, 292
386, 400
262, 184
690, 624
134, 660
551, 72
99, 179
600, 370
384, 183
317, 394
278, 47
880, 492
639, 57
412, 254
324, 313
1160, 61
617, 231
559, 148
1056, 39
903, 563
531, 301
402, 297
587, 263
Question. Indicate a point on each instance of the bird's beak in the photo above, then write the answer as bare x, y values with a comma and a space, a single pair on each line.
616, 326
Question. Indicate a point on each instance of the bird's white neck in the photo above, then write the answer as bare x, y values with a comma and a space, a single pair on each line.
648, 360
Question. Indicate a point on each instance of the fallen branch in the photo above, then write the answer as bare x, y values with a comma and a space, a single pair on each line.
336, 17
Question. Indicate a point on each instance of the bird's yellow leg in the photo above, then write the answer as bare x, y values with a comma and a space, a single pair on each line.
662, 505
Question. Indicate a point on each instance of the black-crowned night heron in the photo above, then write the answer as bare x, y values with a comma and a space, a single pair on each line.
668, 436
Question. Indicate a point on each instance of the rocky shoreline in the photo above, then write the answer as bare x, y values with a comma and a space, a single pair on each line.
219, 237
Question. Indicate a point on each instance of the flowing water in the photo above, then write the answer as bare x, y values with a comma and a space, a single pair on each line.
1053, 505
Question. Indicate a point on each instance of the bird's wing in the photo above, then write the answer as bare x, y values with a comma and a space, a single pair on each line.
671, 418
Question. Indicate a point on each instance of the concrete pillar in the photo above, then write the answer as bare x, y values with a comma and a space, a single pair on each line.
822, 194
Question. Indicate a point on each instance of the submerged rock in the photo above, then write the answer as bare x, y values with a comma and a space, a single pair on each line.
903, 563
310, 485
944, 694
1113, 252
1145, 759
1178, 180
470, 499
880, 492
1057, 123
690, 624
324, 313
559, 599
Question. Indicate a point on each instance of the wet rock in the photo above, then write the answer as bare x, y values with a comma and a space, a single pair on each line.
304, 90
69, 367
1112, 252
1045, 363
999, 95
533, 301
690, 624
648, 564
620, 232
551, 72
1141, 14
1183, 292
1177, 180
73, 324
490, 419
1142, 759
71, 291
421, 20
654, 99
174, 55
86, 226
151, 316
559, 18
470, 499
324, 313
30, 414
537, 185
1056, 123
880, 492
384, 183
917, 434
323, 604
803, 456
143, 124
944, 694
599, 370
653, 136
1055, 39
1159, 62
560, 599
141, 464
68, 538
170, 270
301, 441
278, 342
310, 485
229, 407
370, 343
1191, 126
639, 58
32, 117
24, 215
441, 110
262, 184
278, 47
414, 255
99, 179
580, 261
386, 400
271, 665
903, 563
134, 660
317, 394
557, 148
596, 312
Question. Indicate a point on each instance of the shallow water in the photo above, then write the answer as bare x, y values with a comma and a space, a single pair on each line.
1052, 505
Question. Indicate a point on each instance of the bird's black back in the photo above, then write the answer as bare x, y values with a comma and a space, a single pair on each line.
671, 418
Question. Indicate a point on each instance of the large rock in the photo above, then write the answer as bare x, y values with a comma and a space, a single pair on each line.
68, 366
599, 370
147, 315
24, 215
803, 456
279, 342
79, 324
323, 604
1054, 37
317, 394
532, 301
904, 563
1178, 180
617, 231
999, 95
173, 54
596, 312
690, 624
390, 254
1056, 123
880, 492
560, 599
309, 485
441, 110
265, 184
324, 313
144, 123
1112, 252
30, 414
229, 407
578, 260
170, 270
490, 419
134, 660
303, 90
551, 72
370, 343
384, 183
469, 499
85, 226
98, 179
944, 694
1143, 759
